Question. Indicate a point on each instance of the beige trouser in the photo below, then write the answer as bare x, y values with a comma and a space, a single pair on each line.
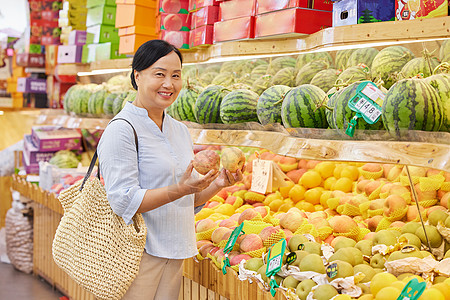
158, 278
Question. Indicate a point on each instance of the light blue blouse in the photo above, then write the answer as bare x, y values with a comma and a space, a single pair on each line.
163, 158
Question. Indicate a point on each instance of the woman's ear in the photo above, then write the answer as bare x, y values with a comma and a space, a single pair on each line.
136, 76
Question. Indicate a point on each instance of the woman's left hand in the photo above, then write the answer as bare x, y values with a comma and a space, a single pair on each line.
226, 178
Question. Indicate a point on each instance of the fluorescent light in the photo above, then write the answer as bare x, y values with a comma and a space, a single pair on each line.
103, 71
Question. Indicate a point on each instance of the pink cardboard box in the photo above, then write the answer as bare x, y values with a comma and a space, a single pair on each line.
49, 138
69, 54
173, 6
32, 153
235, 29
29, 167
175, 22
205, 16
197, 4
237, 9
266, 6
203, 35
179, 39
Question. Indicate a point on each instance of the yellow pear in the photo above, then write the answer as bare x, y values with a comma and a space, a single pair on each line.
381, 280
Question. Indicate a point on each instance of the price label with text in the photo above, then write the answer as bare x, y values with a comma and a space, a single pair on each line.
275, 258
261, 176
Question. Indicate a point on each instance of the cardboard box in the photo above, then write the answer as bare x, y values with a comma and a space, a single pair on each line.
173, 6
350, 12
203, 35
175, 22
101, 15
31, 85
132, 15
50, 15
51, 56
179, 39
103, 34
235, 29
80, 37
291, 22
237, 9
205, 16
134, 30
69, 54
420, 9
197, 4
30, 168
106, 51
52, 138
147, 3
93, 3
265, 6
131, 42
32, 153
322, 5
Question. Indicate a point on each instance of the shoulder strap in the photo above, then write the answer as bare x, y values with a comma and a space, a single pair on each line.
95, 156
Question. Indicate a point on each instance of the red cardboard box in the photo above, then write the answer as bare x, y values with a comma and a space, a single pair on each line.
203, 35
420, 9
237, 9
175, 22
265, 6
235, 29
322, 5
292, 21
179, 39
173, 6
30, 60
197, 4
205, 16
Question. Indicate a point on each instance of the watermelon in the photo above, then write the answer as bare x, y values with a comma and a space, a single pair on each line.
129, 98
342, 114
247, 66
419, 65
325, 79
444, 53
260, 70
441, 82
248, 79
239, 85
412, 104
207, 105
262, 84
95, 103
186, 101
285, 76
117, 104
303, 59
79, 103
389, 61
212, 68
172, 110
280, 63
108, 103
353, 74
224, 78
362, 56
207, 78
239, 106
67, 102
269, 104
332, 96
342, 57
302, 107
228, 67
306, 74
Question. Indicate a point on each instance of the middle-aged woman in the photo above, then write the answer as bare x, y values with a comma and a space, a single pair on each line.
157, 181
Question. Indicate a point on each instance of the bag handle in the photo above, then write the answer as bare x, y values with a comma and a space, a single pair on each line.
95, 156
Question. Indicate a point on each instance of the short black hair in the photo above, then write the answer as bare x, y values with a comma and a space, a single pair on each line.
148, 53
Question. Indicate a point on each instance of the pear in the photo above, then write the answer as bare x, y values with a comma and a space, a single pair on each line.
300, 255
365, 246
437, 215
254, 264
377, 261
262, 271
404, 275
426, 253
367, 270
356, 254
386, 237
277, 278
312, 262
341, 254
412, 239
439, 279
295, 241
313, 248
433, 235
290, 282
378, 270
344, 269
303, 288
410, 227
365, 289
344, 242
405, 252
447, 254
447, 222
351, 255
324, 292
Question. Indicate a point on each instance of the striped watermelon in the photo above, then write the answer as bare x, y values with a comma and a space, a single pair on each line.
225, 79
332, 96
353, 74
441, 82
229, 67
342, 57
412, 104
245, 67
95, 103
239, 106
342, 114
389, 61
80, 98
362, 56
444, 53
303, 59
325, 79
186, 101
285, 76
302, 107
260, 70
67, 102
306, 74
129, 98
248, 78
238, 86
208, 77
173, 111
419, 65
108, 103
269, 104
280, 63
262, 84
212, 68
207, 105
117, 105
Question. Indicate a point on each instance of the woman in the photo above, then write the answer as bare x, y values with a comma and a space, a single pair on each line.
160, 182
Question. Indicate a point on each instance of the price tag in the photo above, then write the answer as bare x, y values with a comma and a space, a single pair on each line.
291, 258
233, 237
332, 270
412, 290
261, 176
274, 261
301, 246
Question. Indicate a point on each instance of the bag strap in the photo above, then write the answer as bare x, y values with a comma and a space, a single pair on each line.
95, 156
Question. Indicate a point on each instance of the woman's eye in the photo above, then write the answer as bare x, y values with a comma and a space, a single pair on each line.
176, 76
159, 74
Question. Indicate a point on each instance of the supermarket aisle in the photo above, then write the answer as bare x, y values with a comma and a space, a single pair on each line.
18, 285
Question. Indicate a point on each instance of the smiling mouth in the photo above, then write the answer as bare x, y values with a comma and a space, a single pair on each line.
165, 94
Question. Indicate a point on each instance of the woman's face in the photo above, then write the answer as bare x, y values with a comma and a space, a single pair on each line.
160, 84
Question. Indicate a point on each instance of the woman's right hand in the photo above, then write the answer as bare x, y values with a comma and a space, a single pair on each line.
191, 185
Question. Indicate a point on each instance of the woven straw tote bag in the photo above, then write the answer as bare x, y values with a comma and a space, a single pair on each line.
92, 244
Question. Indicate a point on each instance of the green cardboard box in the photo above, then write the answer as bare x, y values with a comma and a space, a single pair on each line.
106, 51
104, 34
101, 15
93, 3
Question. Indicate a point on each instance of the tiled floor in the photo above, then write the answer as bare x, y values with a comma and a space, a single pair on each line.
17, 285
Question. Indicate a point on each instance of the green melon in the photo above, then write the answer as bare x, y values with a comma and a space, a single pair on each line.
215, 68
207, 105
224, 78
131, 96
441, 82
262, 84
68, 97
239, 106
208, 77
332, 95
117, 105
285, 76
306, 74
353, 74
362, 56
108, 103
303, 107
444, 53
80, 100
303, 59
260, 70
95, 103
389, 62
239, 85
342, 57
269, 104
248, 79
419, 65
325, 79
229, 67
280, 63
412, 104
186, 102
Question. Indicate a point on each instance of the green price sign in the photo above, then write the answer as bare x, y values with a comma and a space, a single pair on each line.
229, 246
274, 263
